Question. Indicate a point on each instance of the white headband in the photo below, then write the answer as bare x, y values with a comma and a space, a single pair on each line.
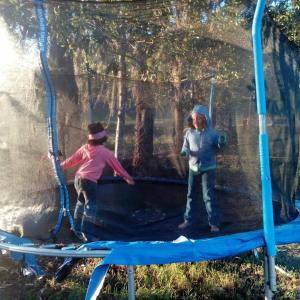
98, 135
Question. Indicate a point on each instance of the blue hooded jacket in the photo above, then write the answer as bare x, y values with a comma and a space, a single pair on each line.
201, 146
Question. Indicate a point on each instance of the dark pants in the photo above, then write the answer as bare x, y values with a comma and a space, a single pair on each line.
201, 183
86, 209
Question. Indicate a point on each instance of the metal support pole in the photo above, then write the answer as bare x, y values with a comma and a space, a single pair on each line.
272, 274
269, 275
268, 292
268, 219
131, 285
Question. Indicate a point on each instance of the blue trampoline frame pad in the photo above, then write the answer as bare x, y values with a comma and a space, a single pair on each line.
151, 252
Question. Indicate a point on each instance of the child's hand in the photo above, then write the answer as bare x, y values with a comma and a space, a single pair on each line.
60, 156
183, 153
130, 181
51, 172
222, 139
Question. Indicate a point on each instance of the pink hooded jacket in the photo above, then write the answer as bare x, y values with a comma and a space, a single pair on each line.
92, 160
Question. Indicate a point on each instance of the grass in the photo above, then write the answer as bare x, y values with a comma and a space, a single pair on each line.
237, 278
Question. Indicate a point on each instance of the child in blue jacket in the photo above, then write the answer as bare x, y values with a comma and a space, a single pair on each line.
200, 145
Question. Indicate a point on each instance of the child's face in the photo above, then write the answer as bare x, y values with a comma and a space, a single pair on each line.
199, 121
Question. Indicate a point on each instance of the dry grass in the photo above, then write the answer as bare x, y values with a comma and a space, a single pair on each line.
233, 278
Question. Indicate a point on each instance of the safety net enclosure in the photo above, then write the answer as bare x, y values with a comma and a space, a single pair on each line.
140, 67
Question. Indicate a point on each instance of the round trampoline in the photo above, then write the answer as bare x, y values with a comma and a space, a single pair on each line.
140, 68
147, 129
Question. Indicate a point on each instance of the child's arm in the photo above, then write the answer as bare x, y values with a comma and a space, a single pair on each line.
72, 161
119, 170
185, 151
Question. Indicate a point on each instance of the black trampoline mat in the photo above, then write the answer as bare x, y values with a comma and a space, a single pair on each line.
151, 211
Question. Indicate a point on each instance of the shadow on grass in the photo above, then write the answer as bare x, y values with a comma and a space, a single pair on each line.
288, 257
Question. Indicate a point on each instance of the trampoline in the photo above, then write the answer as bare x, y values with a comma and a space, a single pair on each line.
139, 68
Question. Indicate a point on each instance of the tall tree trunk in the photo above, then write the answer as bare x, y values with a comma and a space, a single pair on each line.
293, 3
144, 126
65, 84
113, 100
122, 97
181, 17
68, 106
90, 94
178, 110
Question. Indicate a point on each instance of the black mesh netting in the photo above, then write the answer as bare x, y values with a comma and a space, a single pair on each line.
140, 68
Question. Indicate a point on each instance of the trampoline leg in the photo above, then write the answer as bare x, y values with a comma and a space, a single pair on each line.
270, 276
131, 285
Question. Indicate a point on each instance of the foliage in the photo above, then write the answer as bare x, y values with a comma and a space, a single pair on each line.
286, 14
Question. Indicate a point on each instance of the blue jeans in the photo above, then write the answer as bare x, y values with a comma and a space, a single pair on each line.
201, 182
86, 209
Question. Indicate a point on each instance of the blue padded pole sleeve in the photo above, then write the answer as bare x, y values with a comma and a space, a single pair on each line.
96, 281
51, 115
52, 152
258, 57
268, 218
263, 136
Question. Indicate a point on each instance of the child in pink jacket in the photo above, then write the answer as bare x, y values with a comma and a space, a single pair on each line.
92, 158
